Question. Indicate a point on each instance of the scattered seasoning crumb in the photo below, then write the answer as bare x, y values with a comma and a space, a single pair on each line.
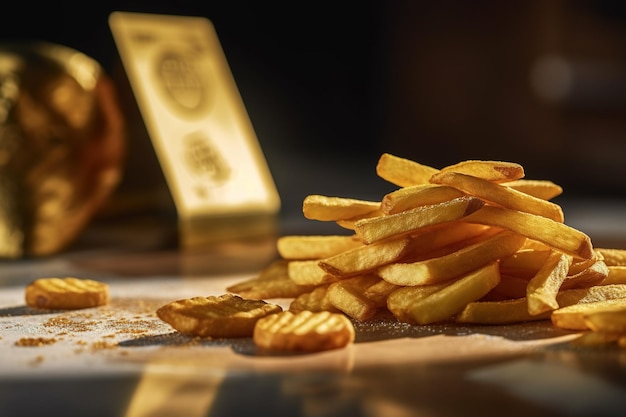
35, 341
101, 344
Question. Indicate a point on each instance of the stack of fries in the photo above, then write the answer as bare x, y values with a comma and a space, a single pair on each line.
473, 242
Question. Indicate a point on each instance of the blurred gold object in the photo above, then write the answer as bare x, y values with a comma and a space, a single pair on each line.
61, 146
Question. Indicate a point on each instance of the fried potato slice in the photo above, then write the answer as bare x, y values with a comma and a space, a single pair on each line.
221, 316
543, 288
499, 195
365, 258
299, 247
556, 235
452, 265
594, 274
494, 171
572, 317
613, 257
326, 208
348, 295
410, 305
407, 198
544, 189
403, 172
67, 293
272, 282
383, 227
309, 273
316, 300
305, 331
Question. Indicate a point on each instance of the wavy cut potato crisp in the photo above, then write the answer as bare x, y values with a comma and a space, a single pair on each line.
67, 293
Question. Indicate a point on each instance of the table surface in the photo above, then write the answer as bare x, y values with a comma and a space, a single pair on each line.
121, 360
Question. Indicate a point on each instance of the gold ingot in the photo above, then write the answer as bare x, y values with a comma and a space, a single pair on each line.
61, 146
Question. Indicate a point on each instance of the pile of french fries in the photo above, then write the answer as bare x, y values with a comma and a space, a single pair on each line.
474, 242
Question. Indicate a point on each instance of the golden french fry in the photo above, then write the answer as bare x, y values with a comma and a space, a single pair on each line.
544, 189
325, 208
67, 293
349, 224
383, 227
377, 293
510, 287
403, 172
308, 273
316, 300
225, 316
445, 303
543, 288
407, 198
305, 331
556, 235
524, 263
572, 317
298, 247
613, 257
499, 195
365, 258
272, 282
494, 171
595, 274
617, 275
452, 265
608, 321
348, 296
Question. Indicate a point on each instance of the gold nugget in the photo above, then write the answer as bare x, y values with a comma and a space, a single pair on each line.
66, 293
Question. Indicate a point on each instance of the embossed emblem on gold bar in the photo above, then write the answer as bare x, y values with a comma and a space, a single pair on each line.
196, 120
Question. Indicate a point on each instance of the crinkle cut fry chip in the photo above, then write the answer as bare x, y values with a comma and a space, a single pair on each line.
222, 316
305, 331
67, 293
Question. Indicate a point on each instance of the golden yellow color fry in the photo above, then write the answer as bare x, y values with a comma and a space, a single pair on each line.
572, 317
510, 287
543, 288
308, 273
403, 172
383, 227
316, 300
348, 296
365, 258
298, 247
445, 303
524, 263
325, 208
499, 195
613, 257
580, 265
349, 224
67, 293
415, 196
608, 321
556, 235
452, 265
617, 275
377, 293
272, 282
516, 311
595, 274
543, 189
305, 331
494, 171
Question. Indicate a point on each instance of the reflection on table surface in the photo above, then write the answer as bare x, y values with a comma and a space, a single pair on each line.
121, 360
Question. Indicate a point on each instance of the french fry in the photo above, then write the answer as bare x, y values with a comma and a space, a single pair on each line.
572, 317
403, 172
407, 198
383, 227
309, 273
298, 247
616, 275
509, 288
607, 321
524, 263
377, 293
326, 208
494, 171
543, 288
499, 195
348, 296
556, 235
443, 304
613, 257
316, 300
544, 189
455, 264
595, 274
365, 258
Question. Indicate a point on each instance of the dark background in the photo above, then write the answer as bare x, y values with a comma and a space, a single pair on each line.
331, 85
